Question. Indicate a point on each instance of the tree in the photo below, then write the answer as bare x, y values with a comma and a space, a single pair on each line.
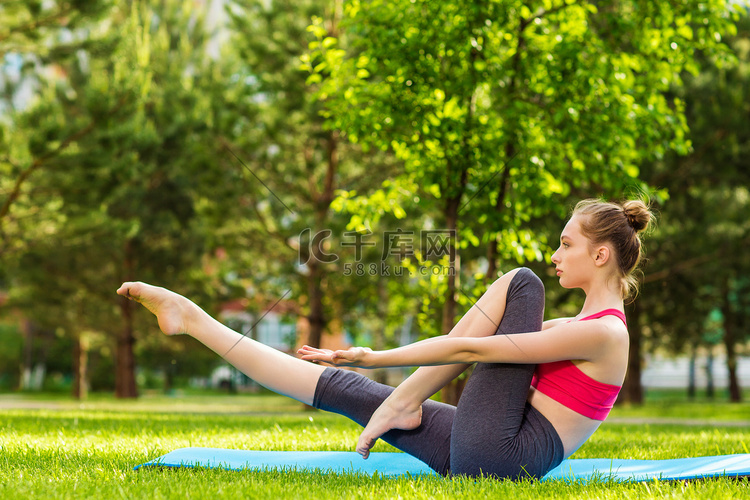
293, 164
697, 265
500, 111
31, 37
126, 198
35, 36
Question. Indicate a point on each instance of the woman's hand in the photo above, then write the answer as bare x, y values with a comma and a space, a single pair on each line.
354, 356
389, 415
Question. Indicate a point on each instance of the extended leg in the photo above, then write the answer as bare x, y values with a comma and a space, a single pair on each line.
272, 369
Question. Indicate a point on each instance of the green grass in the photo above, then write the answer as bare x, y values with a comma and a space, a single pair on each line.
64, 450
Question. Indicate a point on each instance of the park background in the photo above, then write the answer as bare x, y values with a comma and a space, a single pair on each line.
358, 172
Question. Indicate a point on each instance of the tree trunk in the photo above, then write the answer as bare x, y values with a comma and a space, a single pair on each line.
125, 386
735, 394
449, 309
322, 203
125, 368
710, 374
316, 318
378, 336
451, 392
730, 345
510, 152
691, 373
28, 356
80, 367
169, 378
632, 388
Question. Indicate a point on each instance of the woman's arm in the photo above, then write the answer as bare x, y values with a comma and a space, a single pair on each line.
441, 350
481, 320
585, 340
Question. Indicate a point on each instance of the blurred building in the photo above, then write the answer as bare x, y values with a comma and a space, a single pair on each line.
670, 372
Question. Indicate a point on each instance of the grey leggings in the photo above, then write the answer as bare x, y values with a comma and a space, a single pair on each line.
493, 431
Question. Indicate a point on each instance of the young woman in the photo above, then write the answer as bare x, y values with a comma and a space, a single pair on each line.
538, 392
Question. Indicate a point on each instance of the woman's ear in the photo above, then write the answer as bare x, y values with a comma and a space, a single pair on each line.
601, 257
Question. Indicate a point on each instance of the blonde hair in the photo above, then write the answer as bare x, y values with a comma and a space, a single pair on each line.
618, 224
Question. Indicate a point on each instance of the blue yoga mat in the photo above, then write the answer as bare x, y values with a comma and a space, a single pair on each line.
398, 464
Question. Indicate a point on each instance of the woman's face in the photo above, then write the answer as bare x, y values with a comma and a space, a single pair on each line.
574, 259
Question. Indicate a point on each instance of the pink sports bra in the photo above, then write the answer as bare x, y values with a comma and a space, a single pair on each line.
564, 382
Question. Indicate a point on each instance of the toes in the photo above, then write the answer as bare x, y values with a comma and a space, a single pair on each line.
131, 289
364, 446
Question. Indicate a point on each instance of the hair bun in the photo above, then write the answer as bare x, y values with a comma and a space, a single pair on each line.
638, 214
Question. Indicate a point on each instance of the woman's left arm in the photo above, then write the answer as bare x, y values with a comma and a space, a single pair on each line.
584, 340
441, 350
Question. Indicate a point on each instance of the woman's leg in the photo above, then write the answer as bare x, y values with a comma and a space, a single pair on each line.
272, 369
357, 397
340, 391
495, 431
402, 408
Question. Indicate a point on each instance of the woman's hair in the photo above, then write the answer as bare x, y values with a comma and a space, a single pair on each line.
618, 224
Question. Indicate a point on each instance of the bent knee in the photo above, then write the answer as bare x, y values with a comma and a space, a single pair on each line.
520, 275
524, 283
527, 275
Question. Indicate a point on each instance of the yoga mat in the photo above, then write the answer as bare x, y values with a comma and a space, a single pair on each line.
398, 464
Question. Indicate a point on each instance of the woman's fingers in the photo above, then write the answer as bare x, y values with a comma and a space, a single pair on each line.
312, 353
346, 357
315, 354
313, 350
326, 358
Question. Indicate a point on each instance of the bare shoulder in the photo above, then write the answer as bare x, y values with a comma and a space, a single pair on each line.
562, 340
611, 336
615, 330
554, 322
608, 361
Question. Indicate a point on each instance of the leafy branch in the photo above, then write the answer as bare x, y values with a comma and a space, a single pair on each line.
37, 23
41, 160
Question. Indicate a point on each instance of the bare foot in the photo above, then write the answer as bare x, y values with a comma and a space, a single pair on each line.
174, 312
385, 418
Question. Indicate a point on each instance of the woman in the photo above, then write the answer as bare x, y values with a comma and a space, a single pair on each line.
538, 392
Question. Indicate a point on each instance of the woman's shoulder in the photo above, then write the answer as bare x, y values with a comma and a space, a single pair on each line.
554, 322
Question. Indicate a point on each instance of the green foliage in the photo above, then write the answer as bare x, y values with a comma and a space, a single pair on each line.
577, 89
295, 167
38, 28
116, 171
143, 154
697, 261
503, 112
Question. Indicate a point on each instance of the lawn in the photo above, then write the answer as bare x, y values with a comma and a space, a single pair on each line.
65, 449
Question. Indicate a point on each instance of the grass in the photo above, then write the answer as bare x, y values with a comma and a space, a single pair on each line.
62, 449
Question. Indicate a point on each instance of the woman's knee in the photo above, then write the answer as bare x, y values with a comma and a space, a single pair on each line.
521, 278
524, 303
525, 277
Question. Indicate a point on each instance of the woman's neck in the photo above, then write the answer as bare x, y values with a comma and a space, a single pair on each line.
600, 297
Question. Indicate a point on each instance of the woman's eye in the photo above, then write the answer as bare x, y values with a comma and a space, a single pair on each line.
565, 245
